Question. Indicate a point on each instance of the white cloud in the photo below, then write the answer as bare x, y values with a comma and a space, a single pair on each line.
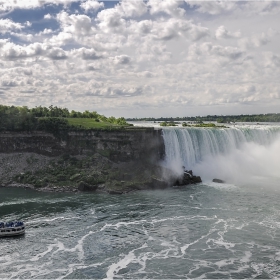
153, 56
11, 51
61, 39
76, 24
173, 28
262, 8
122, 59
214, 7
132, 8
223, 33
7, 5
46, 31
170, 7
110, 20
48, 16
91, 5
7, 25
257, 40
88, 54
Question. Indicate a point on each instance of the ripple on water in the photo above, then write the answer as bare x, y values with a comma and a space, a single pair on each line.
203, 232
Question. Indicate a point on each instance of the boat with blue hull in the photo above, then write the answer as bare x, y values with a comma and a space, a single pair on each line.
12, 228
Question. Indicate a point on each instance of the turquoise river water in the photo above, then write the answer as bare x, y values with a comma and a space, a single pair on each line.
208, 231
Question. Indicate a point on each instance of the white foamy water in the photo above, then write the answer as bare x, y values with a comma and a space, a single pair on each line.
239, 154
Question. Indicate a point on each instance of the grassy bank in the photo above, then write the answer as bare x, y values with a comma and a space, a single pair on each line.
88, 123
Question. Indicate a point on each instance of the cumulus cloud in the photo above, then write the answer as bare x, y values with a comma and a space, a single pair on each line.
110, 20
7, 5
141, 54
48, 16
146, 74
76, 24
214, 7
172, 28
128, 8
208, 49
91, 5
170, 7
9, 83
121, 59
7, 25
223, 33
257, 40
11, 51
88, 54
116, 91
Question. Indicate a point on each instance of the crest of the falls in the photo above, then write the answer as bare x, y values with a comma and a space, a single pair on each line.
226, 153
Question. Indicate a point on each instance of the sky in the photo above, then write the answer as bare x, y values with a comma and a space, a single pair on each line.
135, 58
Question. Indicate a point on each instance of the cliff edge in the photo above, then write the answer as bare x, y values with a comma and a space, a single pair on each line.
110, 161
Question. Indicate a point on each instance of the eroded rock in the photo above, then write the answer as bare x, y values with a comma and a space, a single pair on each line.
218, 181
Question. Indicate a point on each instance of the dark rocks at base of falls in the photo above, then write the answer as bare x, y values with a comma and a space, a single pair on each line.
82, 186
187, 178
218, 181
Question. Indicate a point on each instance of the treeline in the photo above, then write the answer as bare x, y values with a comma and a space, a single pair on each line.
52, 118
219, 119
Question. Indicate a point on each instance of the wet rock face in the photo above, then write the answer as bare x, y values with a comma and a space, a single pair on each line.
187, 179
84, 187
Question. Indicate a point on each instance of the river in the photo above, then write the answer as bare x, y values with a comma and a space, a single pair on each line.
208, 230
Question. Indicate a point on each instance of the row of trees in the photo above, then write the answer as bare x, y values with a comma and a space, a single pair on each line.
17, 118
219, 119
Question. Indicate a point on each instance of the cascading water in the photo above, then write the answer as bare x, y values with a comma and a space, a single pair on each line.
227, 153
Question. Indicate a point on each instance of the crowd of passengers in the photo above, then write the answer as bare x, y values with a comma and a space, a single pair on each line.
11, 224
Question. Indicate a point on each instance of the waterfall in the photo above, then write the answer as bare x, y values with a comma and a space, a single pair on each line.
223, 152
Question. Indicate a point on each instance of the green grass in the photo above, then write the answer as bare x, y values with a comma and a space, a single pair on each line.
90, 123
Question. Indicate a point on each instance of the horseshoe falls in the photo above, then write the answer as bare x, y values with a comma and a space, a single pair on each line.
207, 230
236, 154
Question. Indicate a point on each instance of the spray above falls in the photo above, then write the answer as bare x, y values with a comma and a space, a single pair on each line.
226, 153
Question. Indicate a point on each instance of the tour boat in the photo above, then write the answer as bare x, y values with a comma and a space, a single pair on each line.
12, 228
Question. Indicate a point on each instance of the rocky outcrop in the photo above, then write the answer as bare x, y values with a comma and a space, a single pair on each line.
187, 178
84, 187
218, 181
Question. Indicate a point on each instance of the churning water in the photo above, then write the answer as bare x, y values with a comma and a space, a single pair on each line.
238, 154
201, 231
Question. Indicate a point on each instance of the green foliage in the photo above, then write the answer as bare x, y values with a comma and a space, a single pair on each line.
88, 123
168, 124
205, 125
201, 124
16, 119
220, 119
54, 120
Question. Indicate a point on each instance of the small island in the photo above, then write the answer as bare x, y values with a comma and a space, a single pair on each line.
192, 124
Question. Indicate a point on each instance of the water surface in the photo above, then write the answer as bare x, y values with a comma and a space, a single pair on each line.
208, 231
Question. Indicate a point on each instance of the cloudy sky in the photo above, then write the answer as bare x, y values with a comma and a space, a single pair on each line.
132, 58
